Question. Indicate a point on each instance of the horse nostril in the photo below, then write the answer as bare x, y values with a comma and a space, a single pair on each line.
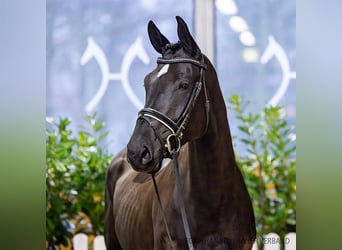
146, 156
132, 156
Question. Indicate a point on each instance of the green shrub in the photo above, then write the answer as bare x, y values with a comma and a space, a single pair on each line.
269, 166
75, 180
76, 166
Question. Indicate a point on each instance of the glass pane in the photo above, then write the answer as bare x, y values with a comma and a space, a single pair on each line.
98, 53
256, 52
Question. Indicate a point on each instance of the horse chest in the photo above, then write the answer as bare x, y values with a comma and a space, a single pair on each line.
132, 210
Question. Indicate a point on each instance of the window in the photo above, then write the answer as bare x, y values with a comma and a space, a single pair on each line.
98, 53
256, 52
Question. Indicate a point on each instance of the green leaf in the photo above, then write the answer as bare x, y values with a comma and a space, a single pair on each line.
244, 129
269, 140
99, 126
246, 141
291, 221
75, 172
103, 135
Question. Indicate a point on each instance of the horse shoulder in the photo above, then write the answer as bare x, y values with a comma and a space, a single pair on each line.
132, 201
115, 170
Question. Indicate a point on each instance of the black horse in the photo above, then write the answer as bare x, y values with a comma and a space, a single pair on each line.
184, 114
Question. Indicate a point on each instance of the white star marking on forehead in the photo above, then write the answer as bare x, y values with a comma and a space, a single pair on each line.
163, 70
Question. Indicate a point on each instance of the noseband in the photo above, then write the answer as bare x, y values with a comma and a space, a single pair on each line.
173, 141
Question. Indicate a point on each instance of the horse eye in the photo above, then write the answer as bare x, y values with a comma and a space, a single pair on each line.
183, 85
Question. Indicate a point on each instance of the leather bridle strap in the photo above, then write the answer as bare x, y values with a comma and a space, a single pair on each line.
182, 60
162, 212
176, 129
181, 202
160, 117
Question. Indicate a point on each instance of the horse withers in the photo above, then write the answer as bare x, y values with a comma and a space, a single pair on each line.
184, 116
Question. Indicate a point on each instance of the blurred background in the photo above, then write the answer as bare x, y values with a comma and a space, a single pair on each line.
98, 53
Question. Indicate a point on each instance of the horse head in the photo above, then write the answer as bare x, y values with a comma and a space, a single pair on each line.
173, 113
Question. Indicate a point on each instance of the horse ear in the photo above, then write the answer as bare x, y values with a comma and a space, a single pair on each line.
186, 39
158, 40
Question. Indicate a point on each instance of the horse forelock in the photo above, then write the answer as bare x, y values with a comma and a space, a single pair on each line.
171, 48
175, 50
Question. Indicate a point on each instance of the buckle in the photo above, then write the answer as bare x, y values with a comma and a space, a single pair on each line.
173, 144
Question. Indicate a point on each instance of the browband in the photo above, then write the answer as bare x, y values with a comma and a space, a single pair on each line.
200, 64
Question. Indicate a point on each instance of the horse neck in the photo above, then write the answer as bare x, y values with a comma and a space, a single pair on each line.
211, 157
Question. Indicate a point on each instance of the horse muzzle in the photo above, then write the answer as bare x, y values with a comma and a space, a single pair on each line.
144, 151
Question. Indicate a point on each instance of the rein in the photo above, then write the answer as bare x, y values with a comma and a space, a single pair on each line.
173, 141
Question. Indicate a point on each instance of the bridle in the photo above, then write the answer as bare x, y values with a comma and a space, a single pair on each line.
173, 141
172, 144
